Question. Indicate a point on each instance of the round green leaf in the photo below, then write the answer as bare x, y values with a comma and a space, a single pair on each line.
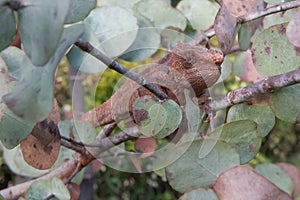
40, 189
244, 37
162, 119
278, 18
127, 4
8, 23
85, 131
284, 103
226, 69
174, 117
146, 42
272, 1
189, 171
83, 61
14, 159
273, 53
277, 176
200, 13
261, 114
156, 119
115, 27
59, 190
199, 193
161, 14
16, 61
31, 99
4, 85
41, 27
241, 135
80, 9
13, 129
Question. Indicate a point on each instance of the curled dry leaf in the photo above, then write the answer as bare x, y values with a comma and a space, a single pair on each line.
294, 174
243, 182
292, 30
226, 28
226, 22
41, 148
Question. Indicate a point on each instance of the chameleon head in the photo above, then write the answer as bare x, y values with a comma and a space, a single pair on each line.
199, 66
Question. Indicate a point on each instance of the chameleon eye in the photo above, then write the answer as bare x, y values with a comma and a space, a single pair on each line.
189, 60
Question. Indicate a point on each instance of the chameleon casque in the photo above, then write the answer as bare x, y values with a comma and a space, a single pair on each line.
186, 67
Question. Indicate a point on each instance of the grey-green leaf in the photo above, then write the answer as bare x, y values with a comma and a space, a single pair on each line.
85, 131
16, 61
146, 42
174, 117
199, 194
59, 189
13, 129
83, 61
14, 159
42, 189
31, 99
127, 4
41, 26
80, 9
244, 37
157, 116
189, 171
260, 113
115, 27
200, 13
277, 176
161, 14
242, 135
8, 24
285, 103
273, 53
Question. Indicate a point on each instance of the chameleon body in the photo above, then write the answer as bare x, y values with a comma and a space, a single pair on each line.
185, 67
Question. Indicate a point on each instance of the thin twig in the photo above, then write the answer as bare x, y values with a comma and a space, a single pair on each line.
76, 163
265, 86
270, 10
72, 146
114, 65
256, 14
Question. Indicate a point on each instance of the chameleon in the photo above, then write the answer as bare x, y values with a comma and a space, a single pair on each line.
185, 67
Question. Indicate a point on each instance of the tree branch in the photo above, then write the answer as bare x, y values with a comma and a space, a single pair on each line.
249, 17
267, 85
114, 65
270, 10
76, 163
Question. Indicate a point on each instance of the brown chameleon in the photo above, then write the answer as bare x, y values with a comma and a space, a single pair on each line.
185, 67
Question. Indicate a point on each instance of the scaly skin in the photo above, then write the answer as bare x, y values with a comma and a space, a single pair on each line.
186, 67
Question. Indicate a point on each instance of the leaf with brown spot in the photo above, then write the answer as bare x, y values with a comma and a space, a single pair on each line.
243, 182
226, 28
41, 148
239, 7
292, 30
39, 155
